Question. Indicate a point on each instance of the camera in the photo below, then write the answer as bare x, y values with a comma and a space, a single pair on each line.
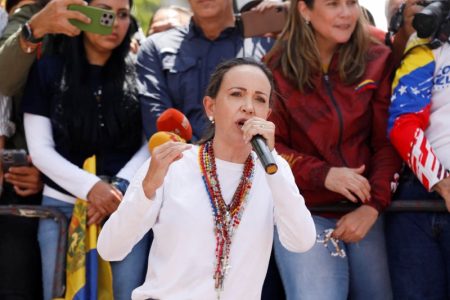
432, 22
429, 21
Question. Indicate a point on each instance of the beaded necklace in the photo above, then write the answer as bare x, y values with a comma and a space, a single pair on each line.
226, 217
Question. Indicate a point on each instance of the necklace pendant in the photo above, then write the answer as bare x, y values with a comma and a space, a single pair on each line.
218, 281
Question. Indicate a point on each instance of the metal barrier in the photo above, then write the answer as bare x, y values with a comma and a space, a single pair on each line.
34, 211
46, 212
396, 206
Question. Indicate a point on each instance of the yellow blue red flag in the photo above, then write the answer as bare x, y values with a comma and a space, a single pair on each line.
88, 277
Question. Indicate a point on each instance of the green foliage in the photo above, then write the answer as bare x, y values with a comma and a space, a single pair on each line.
143, 10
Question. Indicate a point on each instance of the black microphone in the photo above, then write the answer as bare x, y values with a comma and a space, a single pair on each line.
265, 156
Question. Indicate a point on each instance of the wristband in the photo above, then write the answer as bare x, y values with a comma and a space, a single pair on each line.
120, 183
27, 34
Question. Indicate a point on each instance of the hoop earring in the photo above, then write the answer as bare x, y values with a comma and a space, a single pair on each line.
211, 119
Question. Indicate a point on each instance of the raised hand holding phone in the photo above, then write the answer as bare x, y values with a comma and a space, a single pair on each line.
54, 18
102, 20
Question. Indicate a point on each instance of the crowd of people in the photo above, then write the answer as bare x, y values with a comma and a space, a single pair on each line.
352, 120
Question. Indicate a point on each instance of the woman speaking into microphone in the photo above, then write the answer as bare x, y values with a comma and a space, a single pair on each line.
211, 206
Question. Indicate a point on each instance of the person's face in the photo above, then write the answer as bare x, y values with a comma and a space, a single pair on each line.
333, 21
164, 19
244, 93
107, 43
207, 9
165, 14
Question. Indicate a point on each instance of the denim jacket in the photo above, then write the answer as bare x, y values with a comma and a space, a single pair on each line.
174, 69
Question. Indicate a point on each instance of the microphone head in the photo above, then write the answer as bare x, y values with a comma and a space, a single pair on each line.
175, 121
162, 137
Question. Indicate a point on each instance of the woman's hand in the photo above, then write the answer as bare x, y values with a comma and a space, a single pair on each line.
260, 126
349, 182
103, 200
26, 180
412, 7
353, 227
162, 157
54, 18
134, 45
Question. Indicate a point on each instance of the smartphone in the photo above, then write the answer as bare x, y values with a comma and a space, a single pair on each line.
13, 158
257, 23
102, 20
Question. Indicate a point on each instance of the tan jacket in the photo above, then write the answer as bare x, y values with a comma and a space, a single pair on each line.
14, 67
15, 63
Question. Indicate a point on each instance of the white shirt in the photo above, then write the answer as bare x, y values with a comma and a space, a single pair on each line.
182, 255
75, 180
438, 131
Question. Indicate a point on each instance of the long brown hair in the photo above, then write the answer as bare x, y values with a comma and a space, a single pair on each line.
297, 53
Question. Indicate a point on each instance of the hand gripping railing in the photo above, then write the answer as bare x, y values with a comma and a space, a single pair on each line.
46, 212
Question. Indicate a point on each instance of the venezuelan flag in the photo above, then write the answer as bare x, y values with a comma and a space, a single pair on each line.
366, 85
88, 277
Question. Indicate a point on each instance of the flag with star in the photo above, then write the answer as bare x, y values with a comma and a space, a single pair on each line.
87, 275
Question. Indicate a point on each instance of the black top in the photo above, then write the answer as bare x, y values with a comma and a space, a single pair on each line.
81, 133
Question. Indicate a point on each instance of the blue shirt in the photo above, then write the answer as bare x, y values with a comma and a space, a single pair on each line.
174, 69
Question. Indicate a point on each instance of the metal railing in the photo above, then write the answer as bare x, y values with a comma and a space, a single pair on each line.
35, 211
396, 206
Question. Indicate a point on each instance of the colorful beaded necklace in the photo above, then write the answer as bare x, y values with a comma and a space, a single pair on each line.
226, 217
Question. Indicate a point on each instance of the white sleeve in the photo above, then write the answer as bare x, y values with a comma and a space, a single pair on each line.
127, 172
294, 222
135, 216
39, 136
